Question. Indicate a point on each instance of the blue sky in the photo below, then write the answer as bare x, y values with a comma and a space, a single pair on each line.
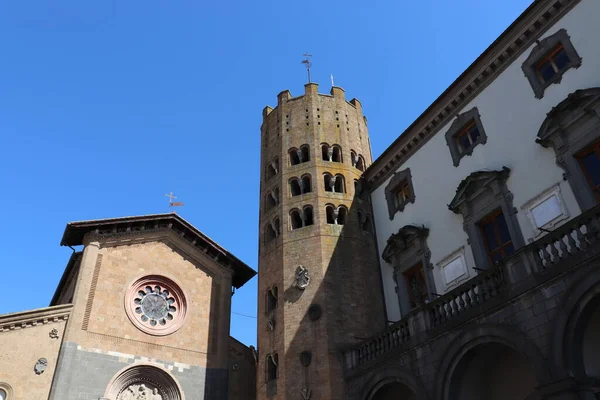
105, 106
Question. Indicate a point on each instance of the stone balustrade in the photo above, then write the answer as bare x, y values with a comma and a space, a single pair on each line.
558, 251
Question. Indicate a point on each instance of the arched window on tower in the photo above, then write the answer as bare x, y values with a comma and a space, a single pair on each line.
339, 185
271, 298
330, 212
342, 213
336, 215
308, 216
360, 164
306, 184
294, 157
336, 154
295, 188
272, 168
325, 152
305, 150
295, 219
272, 230
353, 158
272, 199
329, 182
272, 361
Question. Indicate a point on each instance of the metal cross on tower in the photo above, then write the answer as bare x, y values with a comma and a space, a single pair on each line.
308, 64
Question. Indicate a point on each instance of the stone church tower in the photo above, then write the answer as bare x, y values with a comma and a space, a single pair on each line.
319, 288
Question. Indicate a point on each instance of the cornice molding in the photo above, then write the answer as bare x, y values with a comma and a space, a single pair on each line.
31, 318
525, 30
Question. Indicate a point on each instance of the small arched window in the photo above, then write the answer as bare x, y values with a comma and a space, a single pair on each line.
295, 188
295, 219
336, 154
330, 212
271, 298
272, 361
294, 157
360, 164
308, 216
339, 185
342, 213
329, 182
325, 152
272, 168
353, 158
306, 184
305, 151
272, 199
272, 230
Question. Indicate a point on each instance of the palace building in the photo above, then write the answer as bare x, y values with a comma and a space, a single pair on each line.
461, 264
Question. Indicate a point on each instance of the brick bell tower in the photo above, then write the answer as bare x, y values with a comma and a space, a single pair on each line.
318, 286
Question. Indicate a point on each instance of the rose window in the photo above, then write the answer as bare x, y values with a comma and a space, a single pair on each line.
156, 305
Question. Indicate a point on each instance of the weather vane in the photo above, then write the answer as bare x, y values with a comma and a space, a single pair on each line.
308, 64
173, 203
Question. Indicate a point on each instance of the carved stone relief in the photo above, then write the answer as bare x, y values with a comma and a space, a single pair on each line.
302, 278
40, 366
140, 392
53, 334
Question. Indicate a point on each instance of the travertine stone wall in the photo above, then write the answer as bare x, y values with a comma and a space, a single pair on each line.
25, 337
342, 260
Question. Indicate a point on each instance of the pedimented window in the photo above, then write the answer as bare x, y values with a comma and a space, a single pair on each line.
572, 130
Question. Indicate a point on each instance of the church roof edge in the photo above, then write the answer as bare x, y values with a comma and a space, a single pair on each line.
75, 231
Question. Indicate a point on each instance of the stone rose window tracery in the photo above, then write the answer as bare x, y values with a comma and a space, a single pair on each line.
156, 305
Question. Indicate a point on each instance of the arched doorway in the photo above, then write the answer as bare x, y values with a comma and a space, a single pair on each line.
394, 391
585, 350
143, 381
492, 371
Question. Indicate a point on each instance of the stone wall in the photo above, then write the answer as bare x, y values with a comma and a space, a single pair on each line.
25, 339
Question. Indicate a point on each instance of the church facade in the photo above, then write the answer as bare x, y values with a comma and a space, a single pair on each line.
142, 312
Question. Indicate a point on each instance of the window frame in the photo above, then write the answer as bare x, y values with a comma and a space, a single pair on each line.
592, 148
478, 195
460, 126
569, 128
541, 52
392, 188
493, 218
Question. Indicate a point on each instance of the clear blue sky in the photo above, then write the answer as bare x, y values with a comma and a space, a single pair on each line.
105, 106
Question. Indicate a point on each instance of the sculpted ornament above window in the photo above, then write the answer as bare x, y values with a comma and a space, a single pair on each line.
155, 305
140, 392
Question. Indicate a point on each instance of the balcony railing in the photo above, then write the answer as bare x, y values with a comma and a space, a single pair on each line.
566, 247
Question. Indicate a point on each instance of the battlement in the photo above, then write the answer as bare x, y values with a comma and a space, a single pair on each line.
311, 90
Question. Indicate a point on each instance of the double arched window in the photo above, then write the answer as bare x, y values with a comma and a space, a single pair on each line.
358, 161
272, 229
336, 215
272, 199
301, 218
331, 153
301, 185
334, 183
299, 156
272, 168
